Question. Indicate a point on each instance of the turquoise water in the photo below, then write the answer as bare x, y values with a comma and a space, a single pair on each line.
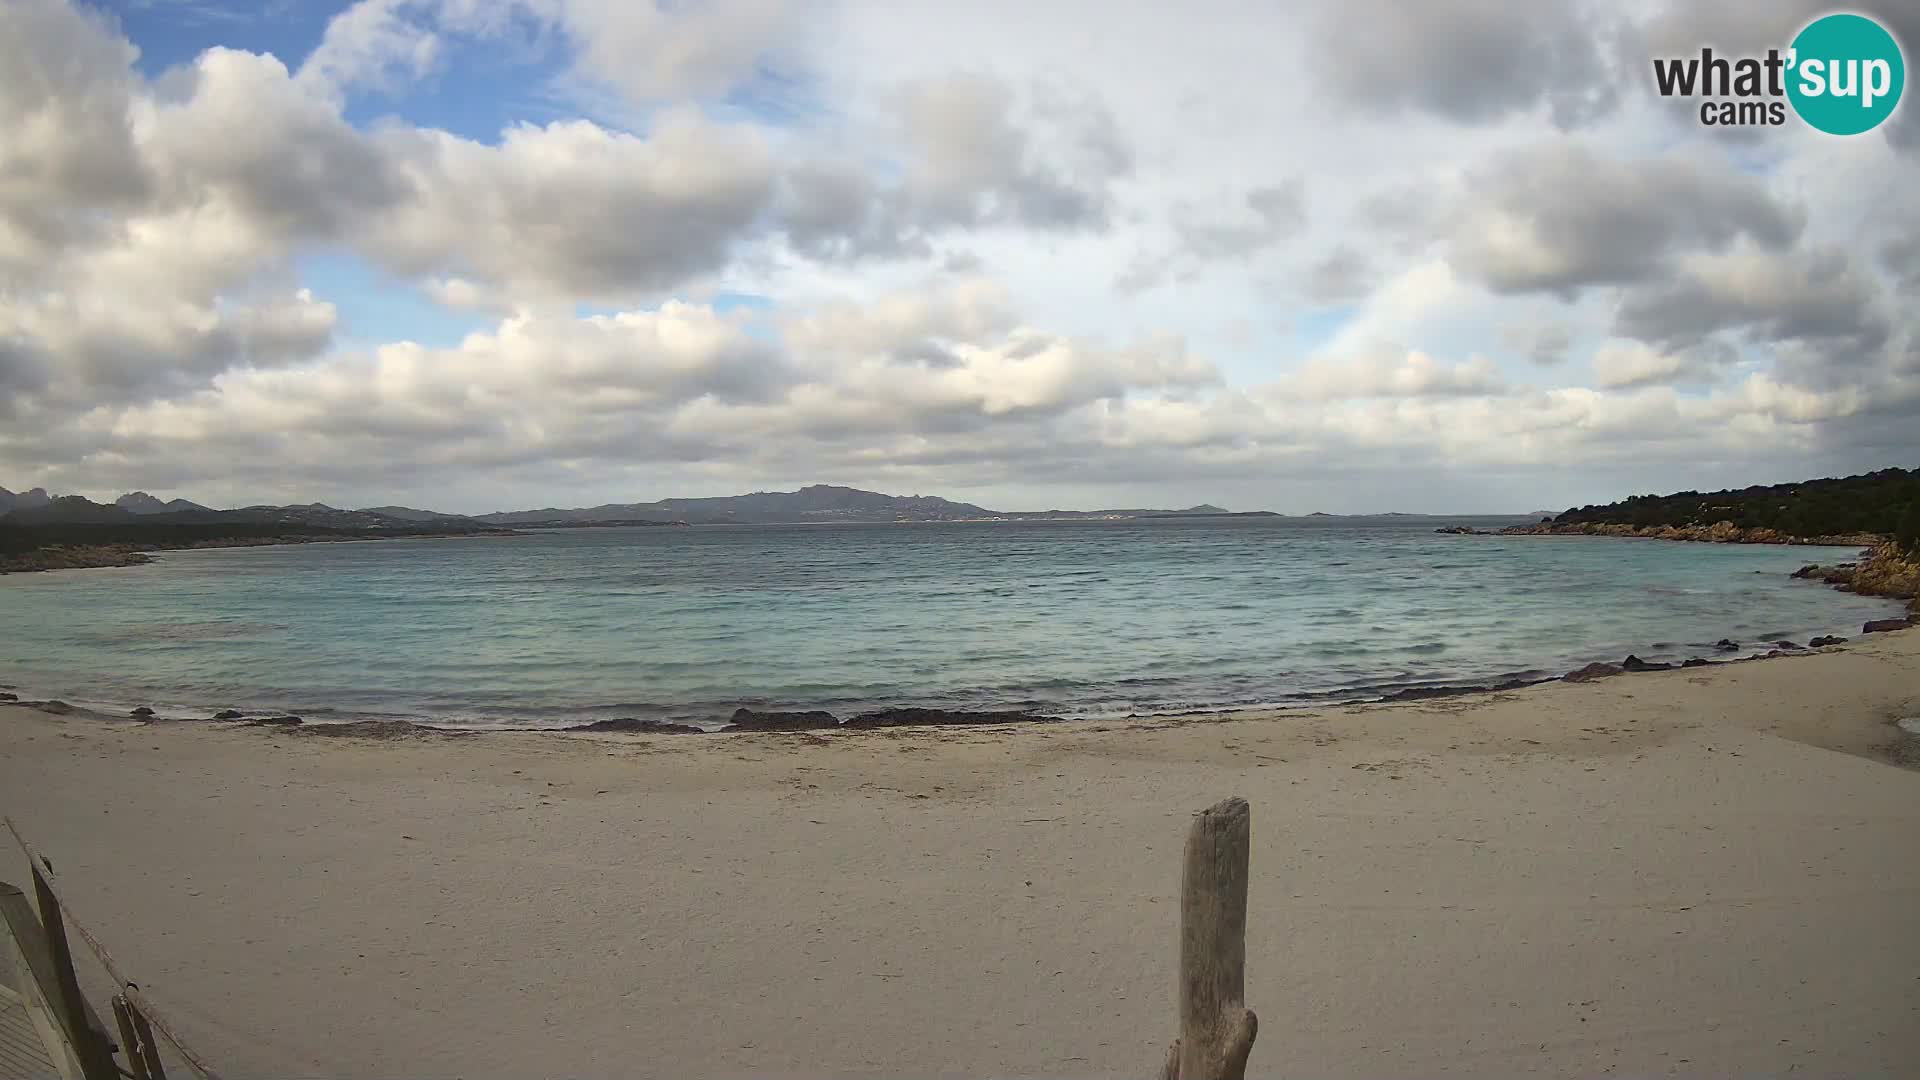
1094, 618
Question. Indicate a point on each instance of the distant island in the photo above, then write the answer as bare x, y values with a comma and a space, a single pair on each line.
41, 531
816, 503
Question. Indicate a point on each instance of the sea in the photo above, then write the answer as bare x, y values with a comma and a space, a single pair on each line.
1070, 618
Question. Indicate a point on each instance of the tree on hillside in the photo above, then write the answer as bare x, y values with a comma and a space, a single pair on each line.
1907, 533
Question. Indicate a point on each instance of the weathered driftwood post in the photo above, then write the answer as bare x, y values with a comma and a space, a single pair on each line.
1216, 1027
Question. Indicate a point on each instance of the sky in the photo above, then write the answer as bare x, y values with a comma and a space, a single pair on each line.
1329, 255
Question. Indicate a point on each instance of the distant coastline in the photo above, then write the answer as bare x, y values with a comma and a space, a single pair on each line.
1721, 532
83, 556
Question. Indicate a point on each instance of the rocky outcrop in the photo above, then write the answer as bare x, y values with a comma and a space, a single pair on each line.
1425, 693
1884, 571
77, 557
1720, 532
885, 718
375, 729
633, 726
1592, 672
755, 720
1881, 626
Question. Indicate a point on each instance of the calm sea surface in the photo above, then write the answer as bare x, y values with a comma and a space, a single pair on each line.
1084, 619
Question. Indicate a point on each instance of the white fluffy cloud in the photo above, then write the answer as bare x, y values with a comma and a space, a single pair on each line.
1457, 253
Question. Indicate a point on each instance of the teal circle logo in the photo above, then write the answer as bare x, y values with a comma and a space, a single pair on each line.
1845, 74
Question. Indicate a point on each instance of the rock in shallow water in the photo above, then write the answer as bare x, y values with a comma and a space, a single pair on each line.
142, 712
1824, 641
1422, 693
229, 714
1881, 626
376, 729
1727, 645
941, 717
1634, 663
754, 720
1591, 672
635, 726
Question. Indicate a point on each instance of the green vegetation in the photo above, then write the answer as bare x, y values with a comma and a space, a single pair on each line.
1906, 534
15, 539
1885, 502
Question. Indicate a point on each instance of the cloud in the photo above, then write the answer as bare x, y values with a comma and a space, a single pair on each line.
1264, 217
1470, 61
945, 231
1543, 343
68, 157
662, 50
1344, 274
1384, 374
970, 152
1558, 218
1819, 295
236, 129
371, 45
684, 382
1626, 364
571, 208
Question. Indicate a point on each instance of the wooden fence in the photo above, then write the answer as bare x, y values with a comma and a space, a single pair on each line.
76, 1043
1216, 1027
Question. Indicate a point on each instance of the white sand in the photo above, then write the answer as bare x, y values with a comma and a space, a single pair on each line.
1665, 874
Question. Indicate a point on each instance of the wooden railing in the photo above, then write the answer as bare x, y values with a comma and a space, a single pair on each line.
82, 1049
1216, 1028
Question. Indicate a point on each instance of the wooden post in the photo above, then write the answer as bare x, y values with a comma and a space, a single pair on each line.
123, 1015
1216, 1027
148, 1049
89, 1047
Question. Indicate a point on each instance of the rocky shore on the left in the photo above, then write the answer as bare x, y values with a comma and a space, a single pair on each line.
73, 557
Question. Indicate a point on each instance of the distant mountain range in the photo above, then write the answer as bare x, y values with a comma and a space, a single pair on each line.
139, 502
818, 503
815, 504
25, 500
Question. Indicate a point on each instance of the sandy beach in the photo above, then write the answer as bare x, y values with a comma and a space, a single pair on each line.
1701, 872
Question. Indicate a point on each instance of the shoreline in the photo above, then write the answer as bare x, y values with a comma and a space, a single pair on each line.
1724, 532
1868, 576
818, 722
1566, 880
